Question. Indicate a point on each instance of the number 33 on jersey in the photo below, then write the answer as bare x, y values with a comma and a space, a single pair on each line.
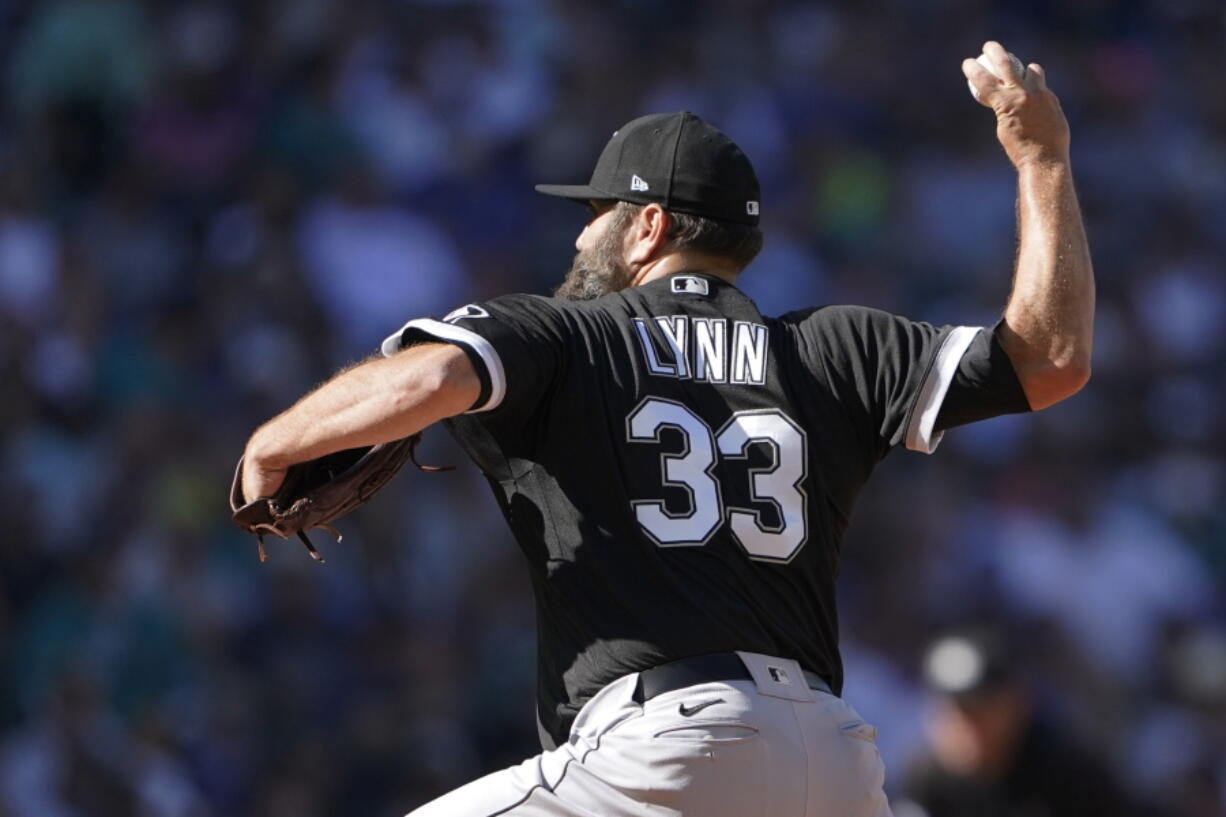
692, 469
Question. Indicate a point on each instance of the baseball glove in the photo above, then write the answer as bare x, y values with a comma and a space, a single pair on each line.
318, 492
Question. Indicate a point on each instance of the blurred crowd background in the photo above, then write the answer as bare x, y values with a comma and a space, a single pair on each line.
206, 207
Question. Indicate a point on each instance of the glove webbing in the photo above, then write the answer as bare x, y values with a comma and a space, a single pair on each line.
306, 540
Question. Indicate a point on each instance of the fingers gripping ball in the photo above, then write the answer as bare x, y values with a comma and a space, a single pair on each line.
983, 60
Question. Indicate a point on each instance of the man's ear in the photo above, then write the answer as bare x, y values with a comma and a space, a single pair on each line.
647, 235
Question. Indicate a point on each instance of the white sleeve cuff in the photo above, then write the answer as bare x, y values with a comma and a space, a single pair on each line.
450, 333
920, 434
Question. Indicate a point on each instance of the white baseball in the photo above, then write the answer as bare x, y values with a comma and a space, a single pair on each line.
983, 60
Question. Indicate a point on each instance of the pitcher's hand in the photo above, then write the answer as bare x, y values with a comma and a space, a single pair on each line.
1029, 122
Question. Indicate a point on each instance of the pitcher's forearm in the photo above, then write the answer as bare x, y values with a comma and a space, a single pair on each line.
377, 401
1049, 321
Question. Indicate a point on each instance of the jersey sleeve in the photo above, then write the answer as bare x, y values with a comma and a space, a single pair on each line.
985, 384
516, 343
890, 374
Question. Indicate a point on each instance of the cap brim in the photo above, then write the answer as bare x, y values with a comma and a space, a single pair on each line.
575, 192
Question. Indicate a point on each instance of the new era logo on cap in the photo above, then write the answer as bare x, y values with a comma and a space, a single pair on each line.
638, 185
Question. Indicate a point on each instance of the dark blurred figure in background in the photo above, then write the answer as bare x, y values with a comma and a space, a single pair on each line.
994, 754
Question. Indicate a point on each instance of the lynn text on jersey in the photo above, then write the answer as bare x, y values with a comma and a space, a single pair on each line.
704, 349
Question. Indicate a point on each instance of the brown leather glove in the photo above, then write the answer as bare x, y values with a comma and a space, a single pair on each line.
317, 493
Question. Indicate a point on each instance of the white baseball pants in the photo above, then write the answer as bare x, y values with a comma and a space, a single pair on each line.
726, 749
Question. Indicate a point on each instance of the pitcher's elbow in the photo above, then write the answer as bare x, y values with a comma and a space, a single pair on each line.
1080, 374
1054, 383
1074, 378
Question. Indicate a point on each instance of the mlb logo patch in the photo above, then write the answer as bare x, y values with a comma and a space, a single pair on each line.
779, 675
751, 207
689, 285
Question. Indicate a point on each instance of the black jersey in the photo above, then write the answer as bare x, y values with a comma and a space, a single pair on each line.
679, 469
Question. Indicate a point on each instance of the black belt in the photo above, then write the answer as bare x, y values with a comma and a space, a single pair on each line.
701, 669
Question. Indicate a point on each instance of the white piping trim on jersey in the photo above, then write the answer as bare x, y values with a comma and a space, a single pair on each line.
458, 334
920, 435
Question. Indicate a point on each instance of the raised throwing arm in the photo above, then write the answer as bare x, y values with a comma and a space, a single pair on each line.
380, 400
1049, 320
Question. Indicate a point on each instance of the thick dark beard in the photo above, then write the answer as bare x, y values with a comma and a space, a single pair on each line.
598, 271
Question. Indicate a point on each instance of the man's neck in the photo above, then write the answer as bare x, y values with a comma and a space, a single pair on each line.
676, 262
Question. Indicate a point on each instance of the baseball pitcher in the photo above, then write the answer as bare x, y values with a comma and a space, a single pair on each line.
679, 469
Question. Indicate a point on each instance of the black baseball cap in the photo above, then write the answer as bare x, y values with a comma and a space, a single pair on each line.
675, 160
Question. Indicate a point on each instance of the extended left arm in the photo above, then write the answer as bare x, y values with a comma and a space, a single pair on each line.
380, 400
1049, 320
